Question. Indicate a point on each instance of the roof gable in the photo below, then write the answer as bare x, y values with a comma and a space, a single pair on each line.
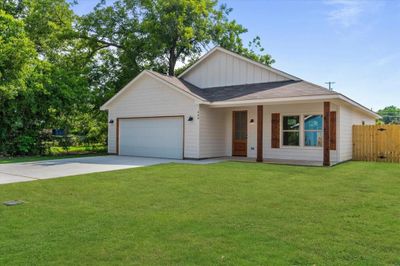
170, 82
220, 67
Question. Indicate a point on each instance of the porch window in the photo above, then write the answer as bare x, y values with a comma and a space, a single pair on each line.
313, 130
291, 130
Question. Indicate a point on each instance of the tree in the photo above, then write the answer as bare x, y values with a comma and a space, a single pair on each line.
157, 34
17, 55
390, 114
12, 7
57, 69
182, 29
42, 77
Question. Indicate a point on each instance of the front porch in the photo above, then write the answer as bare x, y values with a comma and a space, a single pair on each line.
288, 133
278, 161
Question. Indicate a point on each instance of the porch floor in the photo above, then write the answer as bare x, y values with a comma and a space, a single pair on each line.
279, 161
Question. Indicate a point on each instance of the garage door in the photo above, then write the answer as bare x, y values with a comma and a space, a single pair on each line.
151, 137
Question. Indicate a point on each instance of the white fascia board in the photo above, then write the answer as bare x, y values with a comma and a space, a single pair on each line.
193, 96
104, 106
273, 101
201, 59
299, 99
196, 98
274, 70
359, 106
240, 57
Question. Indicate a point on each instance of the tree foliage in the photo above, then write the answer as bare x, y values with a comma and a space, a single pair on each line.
390, 115
132, 35
17, 55
57, 68
41, 74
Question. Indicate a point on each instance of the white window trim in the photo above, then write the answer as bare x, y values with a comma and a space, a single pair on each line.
301, 129
282, 130
312, 130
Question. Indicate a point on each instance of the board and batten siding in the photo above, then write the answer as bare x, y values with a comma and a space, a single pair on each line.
216, 131
212, 132
149, 97
222, 69
300, 152
349, 117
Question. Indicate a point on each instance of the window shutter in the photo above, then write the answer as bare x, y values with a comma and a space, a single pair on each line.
332, 133
275, 130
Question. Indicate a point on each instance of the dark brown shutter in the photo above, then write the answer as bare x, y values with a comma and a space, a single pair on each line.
275, 130
332, 133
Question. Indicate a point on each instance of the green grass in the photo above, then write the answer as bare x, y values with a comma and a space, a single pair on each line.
58, 153
228, 213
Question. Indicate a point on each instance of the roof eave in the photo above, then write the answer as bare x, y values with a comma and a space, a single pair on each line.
359, 106
218, 48
106, 104
272, 100
188, 93
193, 96
296, 99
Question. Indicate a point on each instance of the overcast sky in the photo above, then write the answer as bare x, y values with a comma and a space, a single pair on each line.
355, 43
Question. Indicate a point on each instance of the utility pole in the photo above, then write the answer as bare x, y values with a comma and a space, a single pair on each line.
330, 83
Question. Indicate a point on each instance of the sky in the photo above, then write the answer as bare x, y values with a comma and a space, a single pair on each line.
354, 43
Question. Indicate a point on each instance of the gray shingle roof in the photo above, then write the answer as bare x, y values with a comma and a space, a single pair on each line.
267, 90
256, 91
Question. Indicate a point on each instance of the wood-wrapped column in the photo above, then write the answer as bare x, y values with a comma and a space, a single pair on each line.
326, 143
260, 125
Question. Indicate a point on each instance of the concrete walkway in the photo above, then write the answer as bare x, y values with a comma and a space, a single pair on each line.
30, 171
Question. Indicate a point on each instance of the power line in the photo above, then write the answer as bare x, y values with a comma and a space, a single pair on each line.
330, 83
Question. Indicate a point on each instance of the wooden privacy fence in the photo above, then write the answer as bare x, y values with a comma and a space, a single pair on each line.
378, 143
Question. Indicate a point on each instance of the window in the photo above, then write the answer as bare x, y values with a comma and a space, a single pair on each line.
313, 130
291, 130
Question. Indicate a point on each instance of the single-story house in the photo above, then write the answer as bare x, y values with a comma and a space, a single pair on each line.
228, 105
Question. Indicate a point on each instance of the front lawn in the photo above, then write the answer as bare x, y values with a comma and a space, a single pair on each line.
227, 213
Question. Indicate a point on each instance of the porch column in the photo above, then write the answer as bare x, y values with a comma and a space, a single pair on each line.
327, 111
259, 133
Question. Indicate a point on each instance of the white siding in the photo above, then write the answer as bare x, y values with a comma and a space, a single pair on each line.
216, 131
221, 69
348, 118
293, 153
149, 97
212, 142
212, 132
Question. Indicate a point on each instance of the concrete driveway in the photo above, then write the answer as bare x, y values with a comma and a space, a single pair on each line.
22, 172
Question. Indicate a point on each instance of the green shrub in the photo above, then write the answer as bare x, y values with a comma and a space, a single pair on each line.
25, 144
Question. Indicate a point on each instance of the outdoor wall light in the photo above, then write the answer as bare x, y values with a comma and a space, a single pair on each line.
111, 121
190, 119
251, 121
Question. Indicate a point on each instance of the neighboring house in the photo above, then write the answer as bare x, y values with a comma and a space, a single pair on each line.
228, 105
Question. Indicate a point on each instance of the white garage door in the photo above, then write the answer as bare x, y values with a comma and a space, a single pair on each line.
151, 137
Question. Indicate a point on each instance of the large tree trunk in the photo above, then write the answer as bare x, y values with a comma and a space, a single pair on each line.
172, 62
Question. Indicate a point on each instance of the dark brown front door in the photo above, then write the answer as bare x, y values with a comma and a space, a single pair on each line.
239, 133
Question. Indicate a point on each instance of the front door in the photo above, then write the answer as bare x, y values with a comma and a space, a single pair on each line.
239, 133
